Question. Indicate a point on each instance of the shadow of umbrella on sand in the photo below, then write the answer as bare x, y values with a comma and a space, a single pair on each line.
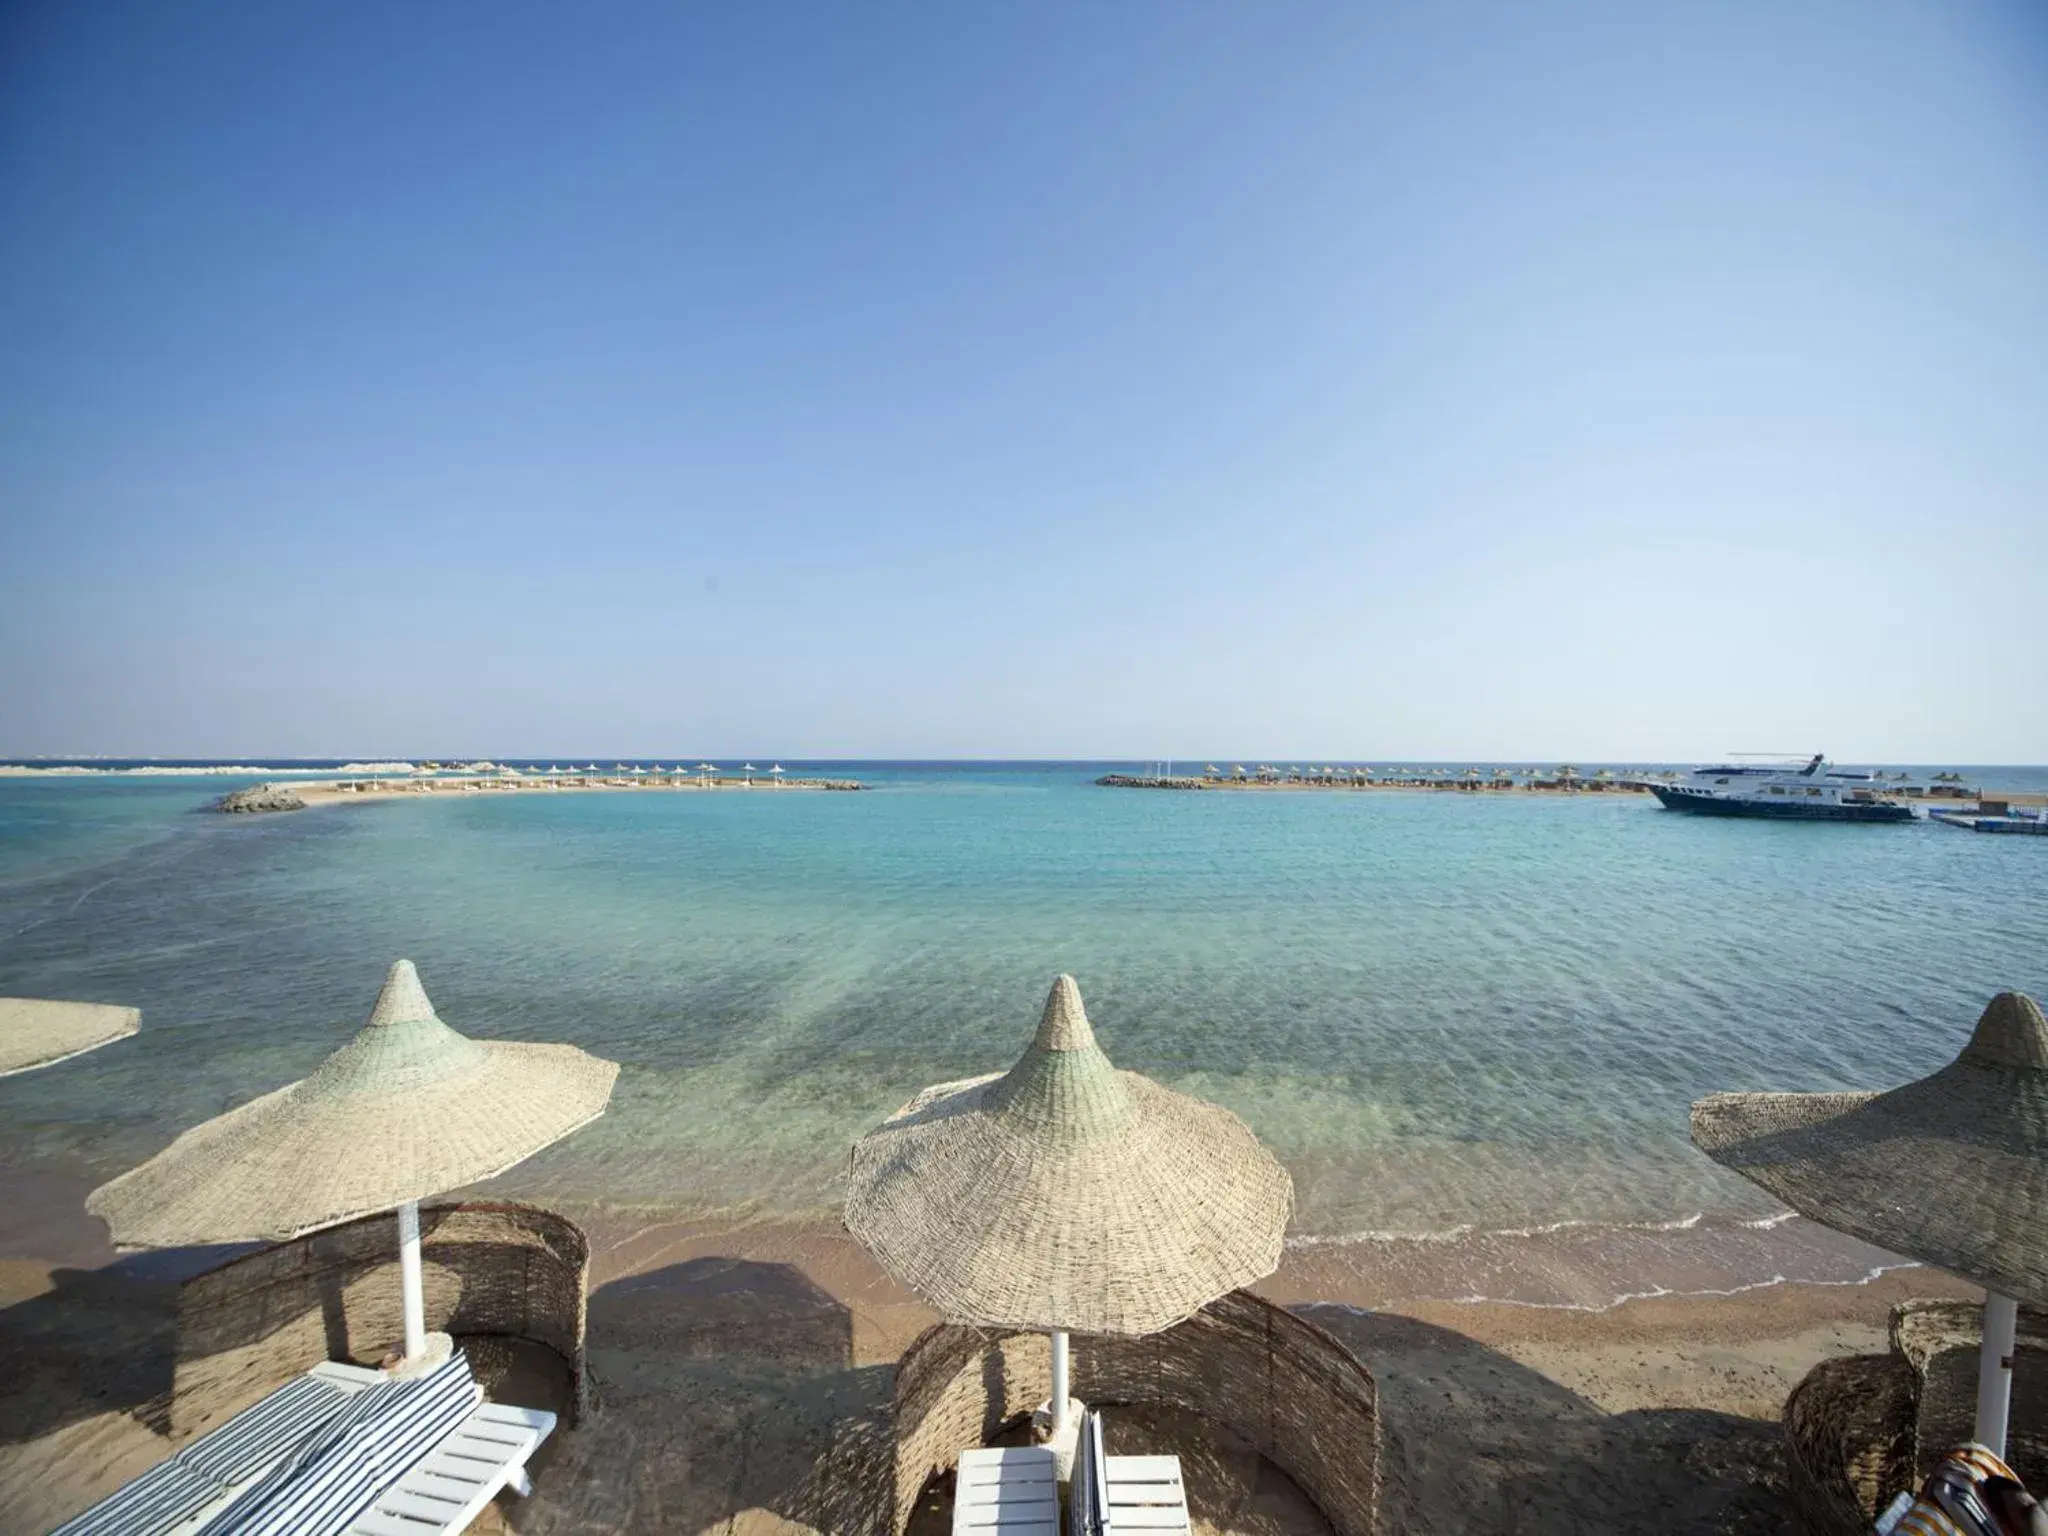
1066, 1195
1951, 1170
407, 1109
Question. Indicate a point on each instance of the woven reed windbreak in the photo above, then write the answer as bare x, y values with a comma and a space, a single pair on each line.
1849, 1437
1296, 1394
407, 1109
1942, 1344
498, 1276
37, 1032
1861, 1429
1951, 1170
1067, 1194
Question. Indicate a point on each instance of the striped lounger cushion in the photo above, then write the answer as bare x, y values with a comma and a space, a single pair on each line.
201, 1472
380, 1432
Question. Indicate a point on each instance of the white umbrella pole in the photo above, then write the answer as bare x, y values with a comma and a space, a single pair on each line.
409, 1280
1994, 1370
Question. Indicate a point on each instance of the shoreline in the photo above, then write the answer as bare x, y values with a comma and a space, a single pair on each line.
366, 791
45, 1229
1580, 1269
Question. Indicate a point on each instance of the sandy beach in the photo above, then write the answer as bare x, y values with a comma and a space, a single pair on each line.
362, 792
726, 1360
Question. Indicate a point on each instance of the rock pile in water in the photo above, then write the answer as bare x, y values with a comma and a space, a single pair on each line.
261, 797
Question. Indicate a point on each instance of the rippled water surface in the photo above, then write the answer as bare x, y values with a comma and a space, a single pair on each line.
1440, 1009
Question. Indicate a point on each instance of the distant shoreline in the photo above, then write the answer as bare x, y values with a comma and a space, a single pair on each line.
1958, 799
369, 790
1341, 783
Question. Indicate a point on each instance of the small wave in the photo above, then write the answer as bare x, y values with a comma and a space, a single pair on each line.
1622, 1298
1656, 1291
1464, 1230
1374, 1235
1768, 1223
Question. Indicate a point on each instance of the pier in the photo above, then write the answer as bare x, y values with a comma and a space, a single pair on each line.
1556, 781
2003, 820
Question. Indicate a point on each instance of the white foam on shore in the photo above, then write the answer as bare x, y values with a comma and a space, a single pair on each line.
1767, 1223
1622, 1298
1465, 1230
1657, 1291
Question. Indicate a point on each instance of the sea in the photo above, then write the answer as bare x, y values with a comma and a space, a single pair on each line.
1464, 1021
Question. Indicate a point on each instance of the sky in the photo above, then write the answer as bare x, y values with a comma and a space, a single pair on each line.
1594, 381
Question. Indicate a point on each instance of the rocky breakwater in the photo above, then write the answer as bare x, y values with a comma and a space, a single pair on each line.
259, 798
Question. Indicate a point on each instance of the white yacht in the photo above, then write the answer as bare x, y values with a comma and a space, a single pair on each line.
1815, 792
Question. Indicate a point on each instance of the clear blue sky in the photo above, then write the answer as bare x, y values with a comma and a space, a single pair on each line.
1625, 381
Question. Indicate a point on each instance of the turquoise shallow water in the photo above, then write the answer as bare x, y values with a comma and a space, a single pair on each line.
1441, 1010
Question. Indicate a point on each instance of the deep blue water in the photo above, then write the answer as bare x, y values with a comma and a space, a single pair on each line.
1439, 1009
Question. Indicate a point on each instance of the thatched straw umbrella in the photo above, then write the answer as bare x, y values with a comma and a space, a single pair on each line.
36, 1032
1951, 1170
405, 1110
1067, 1195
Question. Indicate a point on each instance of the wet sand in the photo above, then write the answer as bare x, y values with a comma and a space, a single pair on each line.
727, 1359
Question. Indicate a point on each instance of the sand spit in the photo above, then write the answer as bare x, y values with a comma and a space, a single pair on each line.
1344, 781
363, 791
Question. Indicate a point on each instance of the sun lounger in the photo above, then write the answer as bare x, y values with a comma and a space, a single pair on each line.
321, 1487
1114, 1495
1007, 1491
1088, 1495
1146, 1494
341, 1450
186, 1489
449, 1487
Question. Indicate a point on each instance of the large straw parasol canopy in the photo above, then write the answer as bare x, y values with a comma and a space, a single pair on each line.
37, 1032
1065, 1194
1951, 1170
407, 1109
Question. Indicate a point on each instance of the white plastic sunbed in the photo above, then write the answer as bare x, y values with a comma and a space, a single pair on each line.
1007, 1491
413, 1459
451, 1484
1114, 1494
